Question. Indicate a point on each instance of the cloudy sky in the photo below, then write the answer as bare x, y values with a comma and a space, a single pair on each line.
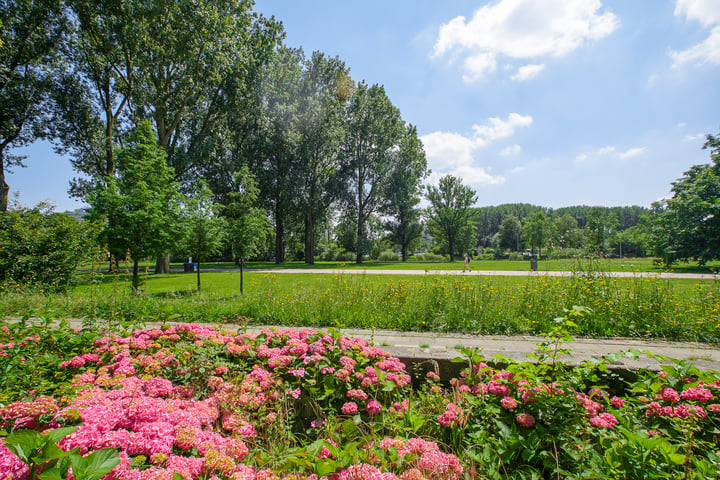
550, 102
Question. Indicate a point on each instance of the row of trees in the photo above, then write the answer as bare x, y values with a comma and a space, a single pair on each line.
249, 130
227, 100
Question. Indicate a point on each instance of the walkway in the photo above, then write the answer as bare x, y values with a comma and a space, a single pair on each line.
506, 273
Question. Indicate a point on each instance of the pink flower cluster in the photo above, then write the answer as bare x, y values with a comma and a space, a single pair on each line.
123, 401
451, 416
604, 420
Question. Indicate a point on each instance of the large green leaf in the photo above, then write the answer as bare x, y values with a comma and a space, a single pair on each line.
23, 443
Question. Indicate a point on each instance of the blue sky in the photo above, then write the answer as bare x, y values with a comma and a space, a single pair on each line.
550, 102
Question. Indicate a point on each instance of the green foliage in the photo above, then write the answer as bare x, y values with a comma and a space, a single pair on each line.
687, 225
450, 216
30, 33
43, 249
403, 193
47, 461
538, 229
204, 230
141, 203
373, 131
34, 349
510, 233
247, 225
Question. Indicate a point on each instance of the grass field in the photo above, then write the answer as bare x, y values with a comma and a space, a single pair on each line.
676, 309
604, 265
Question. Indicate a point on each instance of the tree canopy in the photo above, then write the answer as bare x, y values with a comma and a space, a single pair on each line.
687, 225
450, 216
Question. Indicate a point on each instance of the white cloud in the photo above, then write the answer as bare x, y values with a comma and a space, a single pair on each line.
632, 152
681, 125
707, 13
497, 128
527, 72
510, 151
610, 150
455, 154
692, 138
707, 51
478, 65
522, 30
446, 150
517, 170
477, 176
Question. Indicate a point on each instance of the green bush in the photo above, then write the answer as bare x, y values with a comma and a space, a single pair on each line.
565, 253
515, 256
41, 248
431, 257
388, 256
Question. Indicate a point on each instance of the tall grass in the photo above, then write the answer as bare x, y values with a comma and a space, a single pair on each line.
656, 308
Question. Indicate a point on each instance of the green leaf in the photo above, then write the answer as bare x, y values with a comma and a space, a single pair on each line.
325, 467
676, 458
177, 476
96, 465
23, 443
58, 434
55, 473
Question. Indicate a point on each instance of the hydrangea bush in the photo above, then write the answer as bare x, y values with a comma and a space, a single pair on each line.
192, 401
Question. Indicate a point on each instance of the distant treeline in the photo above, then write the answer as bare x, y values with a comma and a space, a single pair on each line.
490, 218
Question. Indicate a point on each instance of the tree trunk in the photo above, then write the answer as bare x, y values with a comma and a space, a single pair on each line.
4, 190
360, 230
136, 277
279, 234
309, 237
403, 250
242, 264
4, 187
198, 275
451, 244
162, 264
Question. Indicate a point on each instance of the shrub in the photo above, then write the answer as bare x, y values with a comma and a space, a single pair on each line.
515, 256
431, 257
41, 248
565, 253
388, 256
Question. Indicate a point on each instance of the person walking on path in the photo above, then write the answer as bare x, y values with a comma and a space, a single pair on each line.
467, 263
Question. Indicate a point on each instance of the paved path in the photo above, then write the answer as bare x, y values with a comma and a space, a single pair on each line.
506, 273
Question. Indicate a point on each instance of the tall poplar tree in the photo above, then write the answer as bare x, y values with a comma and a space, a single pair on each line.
374, 130
403, 191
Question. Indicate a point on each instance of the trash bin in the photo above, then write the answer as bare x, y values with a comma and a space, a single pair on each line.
533, 264
189, 267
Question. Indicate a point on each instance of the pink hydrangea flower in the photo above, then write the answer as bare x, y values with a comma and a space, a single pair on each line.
509, 403
497, 388
669, 394
604, 420
349, 408
696, 393
373, 407
526, 420
617, 402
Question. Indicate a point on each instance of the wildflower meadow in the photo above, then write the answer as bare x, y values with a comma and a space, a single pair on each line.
192, 401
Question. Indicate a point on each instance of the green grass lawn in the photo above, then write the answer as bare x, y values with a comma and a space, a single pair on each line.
677, 309
602, 265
